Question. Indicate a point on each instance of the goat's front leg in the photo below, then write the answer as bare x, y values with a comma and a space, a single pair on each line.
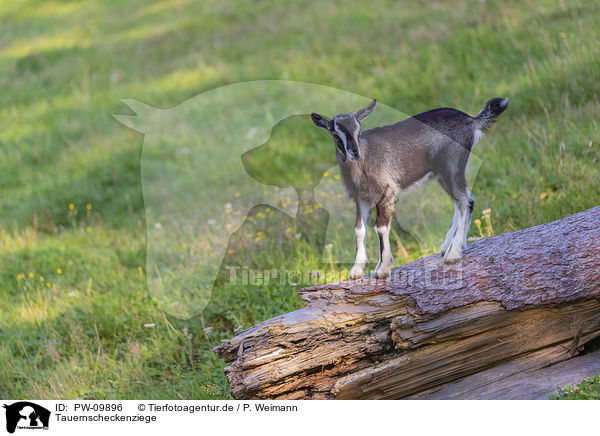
363, 213
385, 211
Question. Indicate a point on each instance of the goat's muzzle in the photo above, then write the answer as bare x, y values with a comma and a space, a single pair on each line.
354, 156
353, 151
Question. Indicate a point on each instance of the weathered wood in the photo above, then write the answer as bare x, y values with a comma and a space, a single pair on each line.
531, 295
533, 377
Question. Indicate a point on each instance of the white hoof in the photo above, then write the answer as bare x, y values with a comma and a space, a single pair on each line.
355, 273
452, 256
382, 272
443, 248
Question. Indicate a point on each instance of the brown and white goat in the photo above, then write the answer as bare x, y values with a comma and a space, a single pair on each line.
377, 164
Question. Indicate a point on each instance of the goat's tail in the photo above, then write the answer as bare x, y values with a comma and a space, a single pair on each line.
492, 109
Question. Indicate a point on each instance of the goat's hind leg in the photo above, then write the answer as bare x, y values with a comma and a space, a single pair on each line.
454, 252
450, 235
456, 186
464, 209
363, 213
454, 226
468, 216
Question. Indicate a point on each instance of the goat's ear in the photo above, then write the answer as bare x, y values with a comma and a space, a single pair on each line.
320, 121
366, 111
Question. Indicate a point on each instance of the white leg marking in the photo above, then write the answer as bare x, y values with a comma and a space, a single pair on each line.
454, 252
361, 242
361, 253
386, 260
451, 232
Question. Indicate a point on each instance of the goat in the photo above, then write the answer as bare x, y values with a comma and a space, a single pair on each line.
377, 164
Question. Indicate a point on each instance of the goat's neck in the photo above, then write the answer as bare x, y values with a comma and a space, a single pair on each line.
353, 175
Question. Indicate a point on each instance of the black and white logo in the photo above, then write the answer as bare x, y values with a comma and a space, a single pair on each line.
26, 415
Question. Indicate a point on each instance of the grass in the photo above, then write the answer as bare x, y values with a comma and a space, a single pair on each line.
92, 329
588, 389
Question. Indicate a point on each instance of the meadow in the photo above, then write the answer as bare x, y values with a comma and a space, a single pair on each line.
77, 318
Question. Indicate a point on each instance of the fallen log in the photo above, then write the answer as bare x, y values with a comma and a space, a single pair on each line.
526, 300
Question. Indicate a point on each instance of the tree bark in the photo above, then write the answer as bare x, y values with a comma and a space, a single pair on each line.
529, 299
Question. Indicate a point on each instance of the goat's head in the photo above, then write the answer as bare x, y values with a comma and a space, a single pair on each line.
345, 129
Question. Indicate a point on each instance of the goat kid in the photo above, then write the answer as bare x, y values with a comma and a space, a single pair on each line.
379, 163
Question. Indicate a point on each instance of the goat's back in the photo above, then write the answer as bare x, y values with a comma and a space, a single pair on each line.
410, 149
425, 129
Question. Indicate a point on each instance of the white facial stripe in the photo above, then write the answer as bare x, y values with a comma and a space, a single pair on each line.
341, 135
356, 130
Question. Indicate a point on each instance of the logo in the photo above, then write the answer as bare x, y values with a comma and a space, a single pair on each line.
26, 415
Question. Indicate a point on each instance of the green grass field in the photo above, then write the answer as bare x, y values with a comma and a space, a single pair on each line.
77, 320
